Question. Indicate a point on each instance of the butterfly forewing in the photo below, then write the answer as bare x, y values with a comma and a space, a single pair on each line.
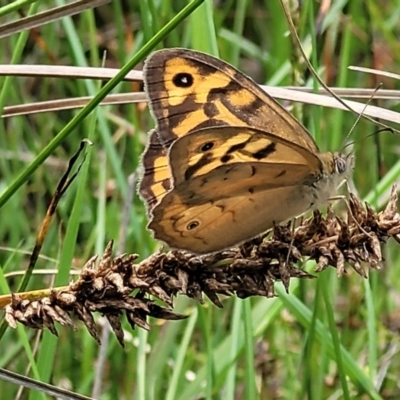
190, 90
229, 161
155, 181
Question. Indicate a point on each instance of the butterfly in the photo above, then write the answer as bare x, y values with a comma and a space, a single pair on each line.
225, 161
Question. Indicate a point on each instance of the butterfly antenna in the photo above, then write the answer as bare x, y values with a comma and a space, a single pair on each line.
360, 116
297, 41
365, 137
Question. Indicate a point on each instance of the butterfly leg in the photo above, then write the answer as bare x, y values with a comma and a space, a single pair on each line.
294, 220
344, 198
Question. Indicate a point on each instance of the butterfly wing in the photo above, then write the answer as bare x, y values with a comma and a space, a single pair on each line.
226, 161
155, 182
219, 224
212, 163
189, 90
230, 184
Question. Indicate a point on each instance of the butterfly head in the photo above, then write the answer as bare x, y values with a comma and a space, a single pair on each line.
336, 169
337, 166
343, 164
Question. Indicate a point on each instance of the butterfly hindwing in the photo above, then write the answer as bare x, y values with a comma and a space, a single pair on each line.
219, 224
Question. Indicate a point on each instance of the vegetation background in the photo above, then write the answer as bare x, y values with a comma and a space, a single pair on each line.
280, 348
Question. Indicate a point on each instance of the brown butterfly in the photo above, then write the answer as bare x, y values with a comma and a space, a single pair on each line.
225, 161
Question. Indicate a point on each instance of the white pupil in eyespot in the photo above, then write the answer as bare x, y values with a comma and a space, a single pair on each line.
192, 225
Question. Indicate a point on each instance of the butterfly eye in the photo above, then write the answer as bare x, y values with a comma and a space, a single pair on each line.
207, 146
183, 80
192, 225
340, 165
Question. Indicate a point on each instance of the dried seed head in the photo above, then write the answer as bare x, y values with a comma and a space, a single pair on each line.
118, 286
